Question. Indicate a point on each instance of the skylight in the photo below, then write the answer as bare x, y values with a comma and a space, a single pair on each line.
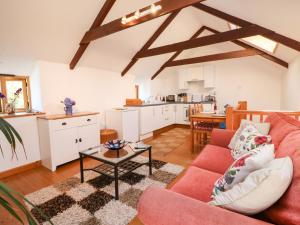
258, 41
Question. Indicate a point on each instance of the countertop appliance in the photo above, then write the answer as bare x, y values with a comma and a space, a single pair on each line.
125, 121
182, 97
170, 98
210, 98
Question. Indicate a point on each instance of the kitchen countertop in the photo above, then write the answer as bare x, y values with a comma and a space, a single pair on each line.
166, 103
64, 116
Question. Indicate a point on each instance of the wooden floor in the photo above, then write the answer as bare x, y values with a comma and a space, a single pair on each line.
41, 177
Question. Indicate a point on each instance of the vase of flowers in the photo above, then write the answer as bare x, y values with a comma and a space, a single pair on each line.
10, 106
69, 103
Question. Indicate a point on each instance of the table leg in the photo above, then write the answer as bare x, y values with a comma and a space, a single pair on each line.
150, 161
193, 141
116, 183
81, 169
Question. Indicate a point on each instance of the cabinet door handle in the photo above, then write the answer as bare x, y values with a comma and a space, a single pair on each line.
80, 140
64, 124
76, 141
88, 120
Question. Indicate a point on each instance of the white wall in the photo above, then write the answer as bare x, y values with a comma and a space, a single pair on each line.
253, 79
290, 87
92, 89
165, 84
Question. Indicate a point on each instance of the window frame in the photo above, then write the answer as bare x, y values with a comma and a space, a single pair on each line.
25, 89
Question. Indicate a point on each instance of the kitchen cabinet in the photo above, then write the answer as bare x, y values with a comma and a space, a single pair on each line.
125, 122
156, 117
195, 74
61, 139
147, 119
204, 73
182, 79
182, 114
169, 115
209, 76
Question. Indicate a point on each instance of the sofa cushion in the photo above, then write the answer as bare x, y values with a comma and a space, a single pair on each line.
263, 128
196, 183
286, 210
261, 189
242, 167
249, 139
281, 125
214, 158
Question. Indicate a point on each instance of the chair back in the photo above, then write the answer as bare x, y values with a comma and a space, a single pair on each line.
195, 109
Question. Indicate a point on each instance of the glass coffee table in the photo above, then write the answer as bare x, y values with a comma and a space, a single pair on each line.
113, 166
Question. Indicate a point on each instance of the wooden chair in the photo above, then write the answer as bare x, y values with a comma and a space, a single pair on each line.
202, 129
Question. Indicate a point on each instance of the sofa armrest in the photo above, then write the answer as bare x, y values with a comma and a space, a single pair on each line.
164, 207
221, 137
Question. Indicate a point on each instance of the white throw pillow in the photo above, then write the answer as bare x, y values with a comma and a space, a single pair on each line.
261, 189
249, 140
243, 166
263, 128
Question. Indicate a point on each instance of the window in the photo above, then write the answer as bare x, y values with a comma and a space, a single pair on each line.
258, 41
9, 85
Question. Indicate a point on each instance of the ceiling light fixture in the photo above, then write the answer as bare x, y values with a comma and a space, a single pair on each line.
138, 14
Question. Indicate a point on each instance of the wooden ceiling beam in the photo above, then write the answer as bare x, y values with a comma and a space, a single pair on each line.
204, 41
260, 52
152, 39
168, 6
176, 54
214, 57
289, 42
97, 22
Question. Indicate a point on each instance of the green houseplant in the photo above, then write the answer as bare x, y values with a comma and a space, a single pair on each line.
9, 197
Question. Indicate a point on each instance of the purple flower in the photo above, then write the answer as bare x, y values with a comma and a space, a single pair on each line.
2, 95
18, 91
68, 102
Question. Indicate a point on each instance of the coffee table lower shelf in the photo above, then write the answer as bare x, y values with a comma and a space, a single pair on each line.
114, 170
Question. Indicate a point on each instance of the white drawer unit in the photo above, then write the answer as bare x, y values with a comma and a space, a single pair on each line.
62, 138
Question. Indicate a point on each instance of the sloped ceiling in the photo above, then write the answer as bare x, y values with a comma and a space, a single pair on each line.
51, 30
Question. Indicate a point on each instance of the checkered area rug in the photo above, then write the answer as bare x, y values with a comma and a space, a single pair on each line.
71, 202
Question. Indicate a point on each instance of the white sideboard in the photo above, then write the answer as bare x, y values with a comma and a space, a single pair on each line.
26, 126
61, 138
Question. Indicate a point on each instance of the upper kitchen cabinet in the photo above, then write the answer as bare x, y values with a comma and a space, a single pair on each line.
202, 73
195, 74
183, 79
209, 76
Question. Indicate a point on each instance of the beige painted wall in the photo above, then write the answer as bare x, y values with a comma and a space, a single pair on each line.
291, 87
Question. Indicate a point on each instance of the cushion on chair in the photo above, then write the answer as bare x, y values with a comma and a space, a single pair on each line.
281, 125
287, 209
214, 158
196, 183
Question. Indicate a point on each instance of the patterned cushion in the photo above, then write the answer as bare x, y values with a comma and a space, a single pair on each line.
249, 139
263, 128
261, 188
242, 167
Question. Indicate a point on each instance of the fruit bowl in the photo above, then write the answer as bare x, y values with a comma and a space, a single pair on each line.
115, 144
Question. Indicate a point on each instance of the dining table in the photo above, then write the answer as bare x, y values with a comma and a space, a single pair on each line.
214, 119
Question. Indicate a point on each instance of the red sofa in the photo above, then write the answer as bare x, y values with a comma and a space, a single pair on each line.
186, 202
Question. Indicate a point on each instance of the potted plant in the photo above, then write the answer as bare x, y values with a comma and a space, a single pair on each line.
9, 197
